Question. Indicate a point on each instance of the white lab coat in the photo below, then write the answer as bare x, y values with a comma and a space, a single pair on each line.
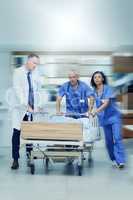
20, 94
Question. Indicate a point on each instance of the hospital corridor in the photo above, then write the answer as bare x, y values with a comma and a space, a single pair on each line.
66, 100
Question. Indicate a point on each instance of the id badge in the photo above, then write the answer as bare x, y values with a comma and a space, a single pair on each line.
82, 100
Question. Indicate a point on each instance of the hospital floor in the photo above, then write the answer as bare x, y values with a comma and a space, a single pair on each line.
99, 180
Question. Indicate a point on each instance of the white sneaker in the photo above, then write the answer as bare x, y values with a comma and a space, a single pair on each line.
121, 165
114, 164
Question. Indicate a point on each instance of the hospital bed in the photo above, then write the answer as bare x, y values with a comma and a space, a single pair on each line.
56, 141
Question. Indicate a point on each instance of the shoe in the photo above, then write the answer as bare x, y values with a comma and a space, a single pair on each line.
114, 164
121, 165
15, 165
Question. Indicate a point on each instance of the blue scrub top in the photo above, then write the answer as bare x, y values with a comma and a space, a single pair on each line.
76, 99
111, 113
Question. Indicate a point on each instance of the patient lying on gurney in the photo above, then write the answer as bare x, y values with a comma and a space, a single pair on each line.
90, 125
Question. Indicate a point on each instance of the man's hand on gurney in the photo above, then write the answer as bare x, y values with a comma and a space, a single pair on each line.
88, 114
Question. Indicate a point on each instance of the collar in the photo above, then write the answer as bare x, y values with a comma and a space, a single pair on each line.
26, 70
78, 83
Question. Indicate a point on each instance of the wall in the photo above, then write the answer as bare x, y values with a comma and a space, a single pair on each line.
66, 24
5, 83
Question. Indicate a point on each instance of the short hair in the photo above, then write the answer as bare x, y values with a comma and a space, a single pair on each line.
32, 55
103, 76
74, 72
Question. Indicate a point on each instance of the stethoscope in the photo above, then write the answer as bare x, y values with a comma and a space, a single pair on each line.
99, 97
75, 94
75, 97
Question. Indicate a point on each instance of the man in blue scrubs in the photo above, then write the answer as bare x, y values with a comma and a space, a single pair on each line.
78, 97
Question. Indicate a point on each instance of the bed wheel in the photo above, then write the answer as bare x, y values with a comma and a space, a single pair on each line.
32, 169
90, 156
90, 160
79, 170
28, 162
47, 162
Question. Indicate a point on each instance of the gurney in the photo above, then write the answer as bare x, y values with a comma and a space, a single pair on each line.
56, 138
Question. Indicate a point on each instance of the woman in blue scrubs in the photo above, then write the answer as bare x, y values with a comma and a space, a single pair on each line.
109, 118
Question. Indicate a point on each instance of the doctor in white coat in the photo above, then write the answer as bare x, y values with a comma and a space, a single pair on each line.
26, 85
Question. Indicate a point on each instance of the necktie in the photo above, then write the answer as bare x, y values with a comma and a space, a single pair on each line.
31, 92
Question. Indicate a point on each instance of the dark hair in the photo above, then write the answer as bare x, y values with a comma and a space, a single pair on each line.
103, 76
32, 55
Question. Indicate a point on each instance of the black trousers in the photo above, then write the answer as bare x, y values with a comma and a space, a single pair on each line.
16, 141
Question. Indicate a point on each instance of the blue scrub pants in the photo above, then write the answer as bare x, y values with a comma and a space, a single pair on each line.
114, 144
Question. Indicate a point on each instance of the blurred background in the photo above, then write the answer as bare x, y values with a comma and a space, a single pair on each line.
84, 35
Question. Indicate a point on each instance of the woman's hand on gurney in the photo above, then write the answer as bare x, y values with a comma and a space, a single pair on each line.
93, 113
